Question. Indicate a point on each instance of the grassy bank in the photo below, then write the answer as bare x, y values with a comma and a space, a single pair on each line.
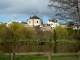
36, 57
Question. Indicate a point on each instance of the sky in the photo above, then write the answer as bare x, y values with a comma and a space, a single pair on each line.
21, 10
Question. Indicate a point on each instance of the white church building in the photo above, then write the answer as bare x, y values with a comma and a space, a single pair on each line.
34, 21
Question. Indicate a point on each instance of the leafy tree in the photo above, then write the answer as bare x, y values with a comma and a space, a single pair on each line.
6, 37
19, 32
61, 33
31, 34
1, 27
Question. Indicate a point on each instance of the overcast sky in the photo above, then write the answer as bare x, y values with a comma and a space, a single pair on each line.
23, 9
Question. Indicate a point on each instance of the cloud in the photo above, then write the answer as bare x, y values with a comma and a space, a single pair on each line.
18, 8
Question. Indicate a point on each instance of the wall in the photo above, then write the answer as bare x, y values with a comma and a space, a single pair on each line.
34, 22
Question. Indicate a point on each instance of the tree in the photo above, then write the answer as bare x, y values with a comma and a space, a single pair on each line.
69, 8
55, 38
14, 33
61, 33
5, 37
70, 24
18, 32
1, 27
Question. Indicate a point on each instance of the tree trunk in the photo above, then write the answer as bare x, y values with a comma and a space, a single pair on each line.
78, 19
55, 41
12, 56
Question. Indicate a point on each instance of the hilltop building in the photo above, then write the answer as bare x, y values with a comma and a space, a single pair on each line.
9, 22
34, 21
53, 23
0, 22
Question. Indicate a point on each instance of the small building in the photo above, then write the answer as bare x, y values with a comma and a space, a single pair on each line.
34, 21
53, 23
9, 22
75, 27
0, 22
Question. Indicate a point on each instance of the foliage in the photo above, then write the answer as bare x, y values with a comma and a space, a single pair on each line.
61, 33
34, 57
2, 26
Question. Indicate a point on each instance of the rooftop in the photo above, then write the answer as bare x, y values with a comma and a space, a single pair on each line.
34, 17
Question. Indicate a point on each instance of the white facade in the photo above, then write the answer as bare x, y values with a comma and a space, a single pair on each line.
34, 21
75, 27
53, 24
10, 22
0, 22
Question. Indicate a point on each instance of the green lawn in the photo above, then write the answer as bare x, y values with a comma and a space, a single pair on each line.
34, 57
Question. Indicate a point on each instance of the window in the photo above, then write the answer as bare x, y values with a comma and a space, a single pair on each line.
37, 21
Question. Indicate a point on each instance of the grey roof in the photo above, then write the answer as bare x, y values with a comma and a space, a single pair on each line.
53, 20
34, 17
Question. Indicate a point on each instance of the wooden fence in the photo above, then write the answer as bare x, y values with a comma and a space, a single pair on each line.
48, 54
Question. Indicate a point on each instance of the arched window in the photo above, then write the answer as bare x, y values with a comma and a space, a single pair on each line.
37, 21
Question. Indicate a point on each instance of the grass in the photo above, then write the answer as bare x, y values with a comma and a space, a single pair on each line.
70, 41
66, 56
5, 58
35, 57
32, 57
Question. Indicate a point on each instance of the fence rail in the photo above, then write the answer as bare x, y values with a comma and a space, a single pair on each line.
35, 53
48, 54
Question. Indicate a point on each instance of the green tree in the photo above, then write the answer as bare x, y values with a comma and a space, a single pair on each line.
14, 33
18, 31
6, 37
1, 27
61, 33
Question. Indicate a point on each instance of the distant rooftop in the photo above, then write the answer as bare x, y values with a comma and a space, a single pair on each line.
52, 20
34, 17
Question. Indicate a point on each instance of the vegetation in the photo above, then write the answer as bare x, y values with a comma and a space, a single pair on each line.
35, 57
69, 9
18, 38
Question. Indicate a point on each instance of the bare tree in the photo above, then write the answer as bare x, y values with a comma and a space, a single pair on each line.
68, 9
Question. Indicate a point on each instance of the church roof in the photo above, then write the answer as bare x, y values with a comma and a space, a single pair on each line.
34, 17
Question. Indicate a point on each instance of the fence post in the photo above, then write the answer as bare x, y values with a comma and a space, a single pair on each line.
49, 56
12, 56
79, 55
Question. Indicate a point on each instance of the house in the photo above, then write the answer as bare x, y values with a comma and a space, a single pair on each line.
53, 23
0, 22
34, 21
10, 22
75, 27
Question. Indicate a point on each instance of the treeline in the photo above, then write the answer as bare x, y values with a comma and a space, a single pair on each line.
25, 39
18, 31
